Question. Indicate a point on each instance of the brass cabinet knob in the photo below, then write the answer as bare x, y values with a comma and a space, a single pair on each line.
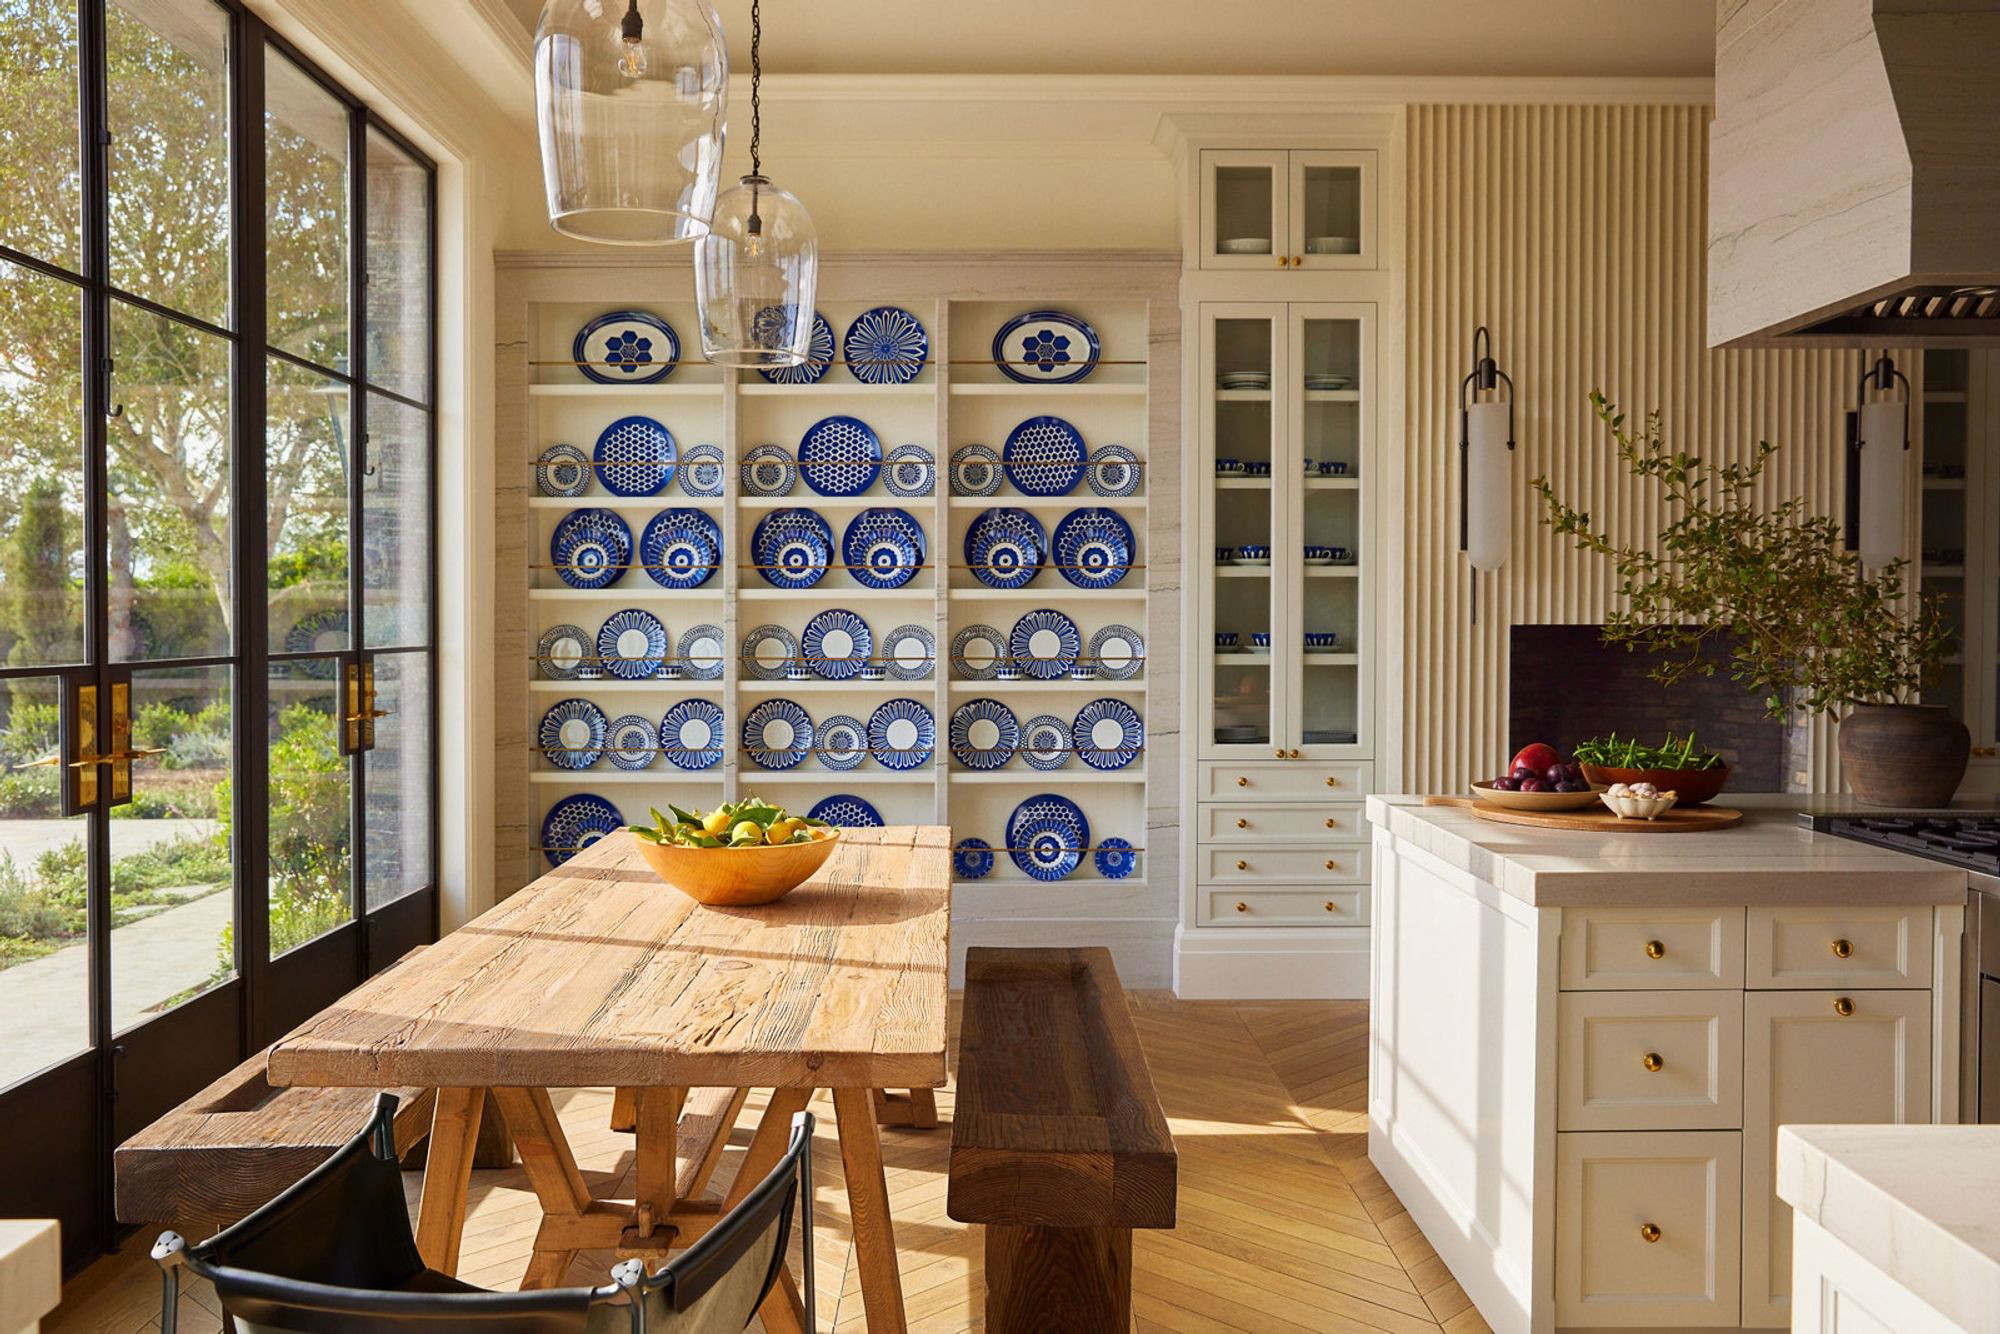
1281, 752
1332, 823
1298, 261
1655, 950
1284, 261
1241, 781
1243, 866
1649, 1232
1843, 949
1242, 907
1842, 1006
1331, 906
1651, 1060
1331, 781
1242, 823
1295, 752
1332, 865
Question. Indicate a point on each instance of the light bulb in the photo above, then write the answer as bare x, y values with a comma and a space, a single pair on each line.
631, 29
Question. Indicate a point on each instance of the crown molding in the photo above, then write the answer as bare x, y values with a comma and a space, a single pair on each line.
1243, 91
681, 257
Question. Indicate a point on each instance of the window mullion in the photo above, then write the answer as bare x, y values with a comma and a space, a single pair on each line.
357, 417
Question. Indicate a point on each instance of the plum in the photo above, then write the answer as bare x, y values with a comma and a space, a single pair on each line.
1556, 774
1533, 785
1505, 785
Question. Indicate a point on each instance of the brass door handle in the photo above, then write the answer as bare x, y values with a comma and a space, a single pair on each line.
1655, 950
367, 714
1843, 949
1241, 823
1842, 1006
48, 761
1649, 1232
1651, 1060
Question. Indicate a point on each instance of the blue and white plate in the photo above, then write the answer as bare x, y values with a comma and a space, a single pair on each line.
910, 471
691, 734
1093, 547
561, 652
768, 652
1044, 456
843, 742
837, 644
975, 471
681, 548
792, 548
840, 456
846, 811
1046, 836
1114, 471
984, 734
702, 653
972, 859
902, 734
576, 822
632, 742
591, 548
1108, 733
562, 470
702, 471
626, 347
977, 652
635, 457
572, 734
1006, 547
1046, 347
885, 345
1116, 858
322, 631
1045, 644
778, 734
908, 652
1119, 652
632, 645
819, 358
883, 547
769, 470
1045, 742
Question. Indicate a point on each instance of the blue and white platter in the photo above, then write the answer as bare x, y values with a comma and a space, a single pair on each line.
1005, 547
576, 822
590, 548
561, 652
902, 734
769, 470
691, 734
572, 734
633, 645
1119, 652
1108, 733
632, 742
840, 456
1114, 471
975, 471
768, 652
1093, 547
1116, 858
819, 358
702, 653
1045, 644
635, 457
910, 471
1044, 456
562, 470
984, 734
778, 734
972, 859
883, 547
702, 471
885, 345
792, 548
1046, 836
843, 742
681, 548
626, 347
837, 644
847, 811
1045, 742
977, 652
1046, 347
908, 652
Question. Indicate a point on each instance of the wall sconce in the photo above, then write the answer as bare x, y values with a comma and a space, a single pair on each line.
1878, 464
1485, 475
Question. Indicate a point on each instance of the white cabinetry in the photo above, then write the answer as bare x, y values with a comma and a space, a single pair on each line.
1298, 209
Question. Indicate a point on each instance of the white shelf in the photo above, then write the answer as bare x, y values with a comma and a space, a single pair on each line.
1099, 686
821, 592
1070, 502
1243, 396
1091, 388
1944, 484
1223, 658
1330, 659
1944, 396
844, 387
635, 504
807, 498
1333, 395
1243, 572
1074, 772
1012, 875
1314, 483
1348, 571
1046, 591
661, 772
889, 687
673, 388
1942, 571
750, 777
710, 591
654, 685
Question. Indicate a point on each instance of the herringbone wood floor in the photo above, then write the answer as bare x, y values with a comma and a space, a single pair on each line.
1283, 1225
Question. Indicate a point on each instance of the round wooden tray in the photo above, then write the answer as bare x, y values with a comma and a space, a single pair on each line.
1679, 820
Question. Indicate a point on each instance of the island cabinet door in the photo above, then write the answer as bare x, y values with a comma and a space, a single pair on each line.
1818, 1058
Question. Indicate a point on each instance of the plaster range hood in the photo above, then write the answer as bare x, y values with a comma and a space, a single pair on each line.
1854, 174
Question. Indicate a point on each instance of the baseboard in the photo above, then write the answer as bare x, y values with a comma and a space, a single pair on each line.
1223, 963
1141, 948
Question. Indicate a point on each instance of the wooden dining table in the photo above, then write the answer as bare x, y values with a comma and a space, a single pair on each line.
598, 974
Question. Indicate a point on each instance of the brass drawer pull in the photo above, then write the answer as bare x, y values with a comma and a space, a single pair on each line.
1243, 866
1331, 906
1843, 949
1332, 823
1649, 1232
1655, 950
1842, 1006
1242, 907
1332, 865
1331, 781
1241, 781
1651, 1060
1242, 823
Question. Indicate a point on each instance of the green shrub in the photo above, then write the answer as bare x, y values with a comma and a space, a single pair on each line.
30, 794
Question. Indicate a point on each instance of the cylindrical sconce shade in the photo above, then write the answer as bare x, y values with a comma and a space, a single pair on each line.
1885, 467
1489, 485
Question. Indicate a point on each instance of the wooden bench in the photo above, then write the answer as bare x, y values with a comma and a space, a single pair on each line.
1058, 1144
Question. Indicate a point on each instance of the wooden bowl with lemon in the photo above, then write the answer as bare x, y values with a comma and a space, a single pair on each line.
739, 855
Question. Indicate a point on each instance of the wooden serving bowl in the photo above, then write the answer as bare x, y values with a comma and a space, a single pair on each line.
1692, 786
1536, 801
737, 877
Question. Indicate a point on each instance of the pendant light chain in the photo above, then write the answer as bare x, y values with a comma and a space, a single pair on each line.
756, 78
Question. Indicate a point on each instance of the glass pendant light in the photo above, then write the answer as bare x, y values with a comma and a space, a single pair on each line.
630, 97
757, 269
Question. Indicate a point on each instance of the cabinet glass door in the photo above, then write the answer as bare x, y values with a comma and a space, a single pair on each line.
1332, 198
1946, 436
1329, 404
1243, 356
1243, 214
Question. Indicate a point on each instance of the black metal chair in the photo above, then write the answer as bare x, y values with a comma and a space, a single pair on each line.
335, 1252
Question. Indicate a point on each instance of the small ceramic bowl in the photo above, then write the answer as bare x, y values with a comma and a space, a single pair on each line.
874, 671
1260, 638
1323, 639
1229, 467
1318, 555
1225, 555
1338, 467
1628, 807
1311, 467
1083, 671
1255, 554
1339, 553
1225, 639
1257, 468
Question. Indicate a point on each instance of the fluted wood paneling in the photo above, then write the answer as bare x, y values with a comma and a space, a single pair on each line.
1578, 235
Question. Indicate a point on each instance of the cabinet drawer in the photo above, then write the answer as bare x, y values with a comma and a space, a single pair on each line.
1839, 947
1322, 823
1648, 1228
1626, 949
1292, 866
1649, 1060
1284, 780
1332, 905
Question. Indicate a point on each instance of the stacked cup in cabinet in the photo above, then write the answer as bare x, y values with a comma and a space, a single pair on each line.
1282, 843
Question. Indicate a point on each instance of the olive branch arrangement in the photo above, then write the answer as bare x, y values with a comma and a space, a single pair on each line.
1804, 622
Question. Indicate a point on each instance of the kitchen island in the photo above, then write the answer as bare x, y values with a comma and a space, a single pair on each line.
1583, 1045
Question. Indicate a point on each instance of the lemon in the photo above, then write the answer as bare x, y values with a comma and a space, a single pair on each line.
715, 823
780, 831
747, 831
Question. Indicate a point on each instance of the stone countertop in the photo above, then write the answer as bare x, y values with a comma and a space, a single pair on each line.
1770, 858
1918, 1202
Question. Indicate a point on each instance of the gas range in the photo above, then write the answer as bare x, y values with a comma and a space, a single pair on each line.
1970, 841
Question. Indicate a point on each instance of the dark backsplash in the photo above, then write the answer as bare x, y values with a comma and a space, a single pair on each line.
1567, 685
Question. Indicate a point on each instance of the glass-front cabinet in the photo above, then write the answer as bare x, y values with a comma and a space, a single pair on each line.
1959, 549
1302, 209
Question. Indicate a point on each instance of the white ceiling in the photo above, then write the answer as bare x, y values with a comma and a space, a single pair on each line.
1601, 38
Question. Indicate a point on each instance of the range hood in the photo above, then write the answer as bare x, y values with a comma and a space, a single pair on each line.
1854, 174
